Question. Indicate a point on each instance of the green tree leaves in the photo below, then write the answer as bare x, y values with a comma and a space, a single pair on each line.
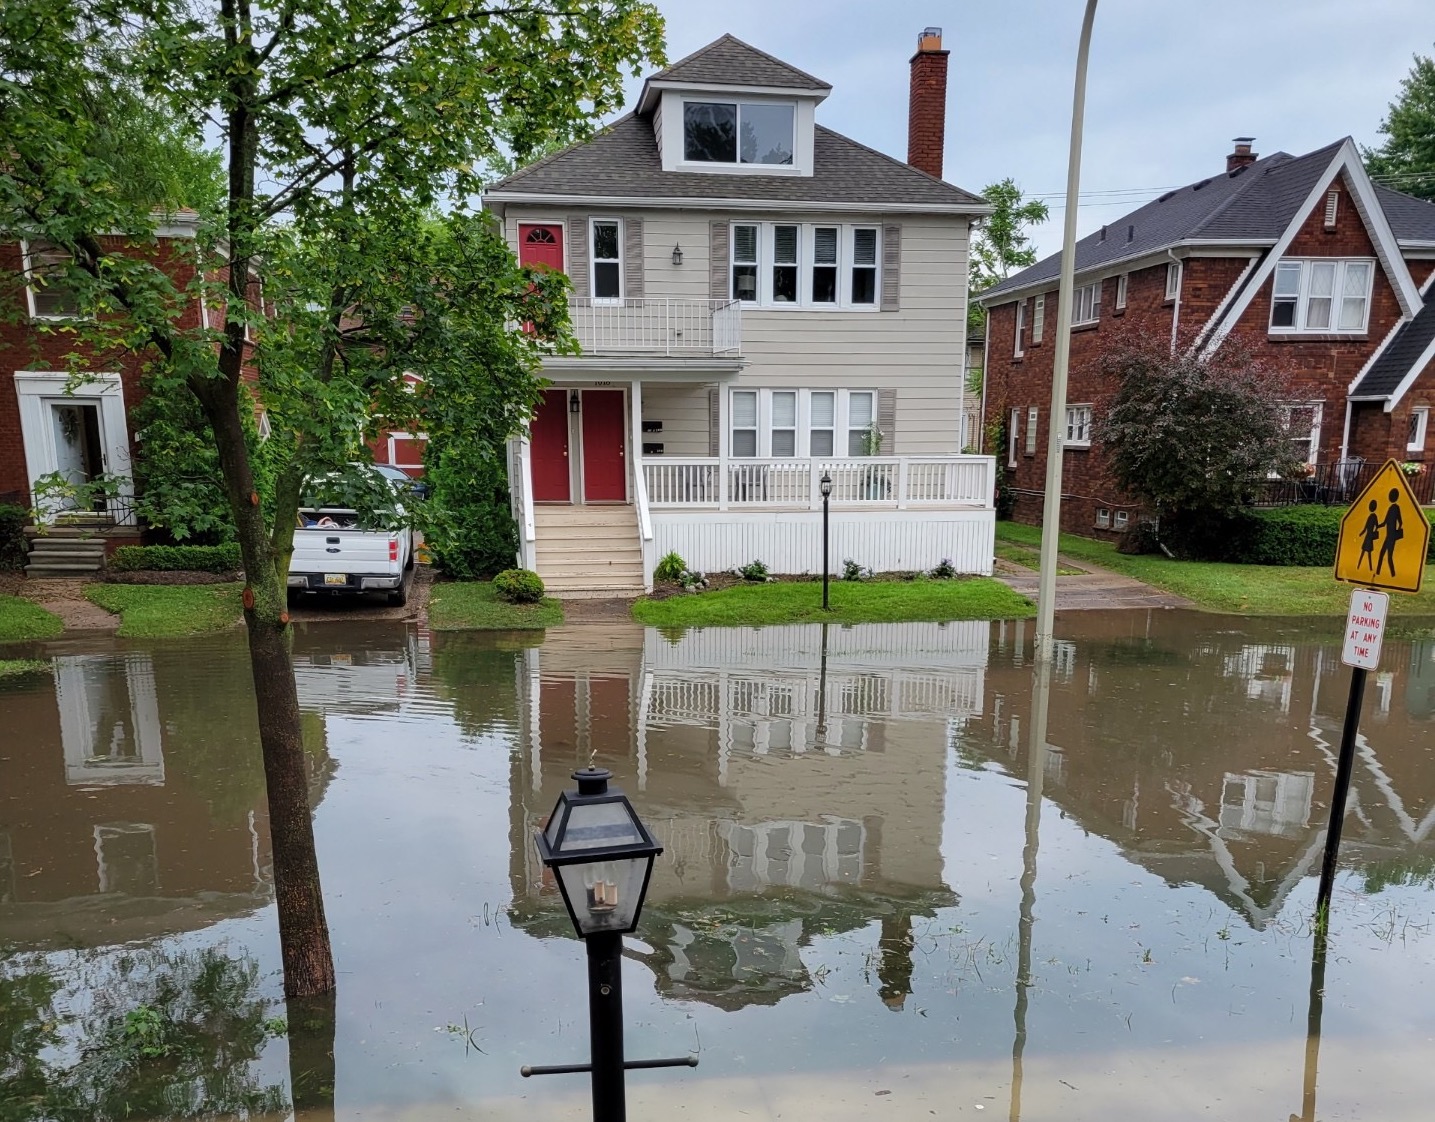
1406, 161
1000, 242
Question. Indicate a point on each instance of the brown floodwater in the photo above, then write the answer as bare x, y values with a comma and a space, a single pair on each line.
883, 892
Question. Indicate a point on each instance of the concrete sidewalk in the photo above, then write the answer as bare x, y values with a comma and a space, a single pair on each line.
1093, 589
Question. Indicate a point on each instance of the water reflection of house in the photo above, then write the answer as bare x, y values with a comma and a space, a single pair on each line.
1209, 757
134, 803
792, 794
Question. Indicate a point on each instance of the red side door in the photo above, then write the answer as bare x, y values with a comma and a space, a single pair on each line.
541, 243
548, 449
605, 479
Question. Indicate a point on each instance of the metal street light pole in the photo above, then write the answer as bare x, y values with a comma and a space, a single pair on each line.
1056, 418
826, 487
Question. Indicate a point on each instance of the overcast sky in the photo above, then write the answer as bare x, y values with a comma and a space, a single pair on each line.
1170, 83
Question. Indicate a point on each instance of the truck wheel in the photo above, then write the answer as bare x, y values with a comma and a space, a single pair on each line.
399, 596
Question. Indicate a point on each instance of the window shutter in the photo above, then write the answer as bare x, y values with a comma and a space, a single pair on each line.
578, 254
887, 420
633, 259
718, 265
891, 268
714, 419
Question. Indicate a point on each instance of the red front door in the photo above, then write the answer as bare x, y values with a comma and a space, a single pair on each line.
541, 244
548, 451
604, 476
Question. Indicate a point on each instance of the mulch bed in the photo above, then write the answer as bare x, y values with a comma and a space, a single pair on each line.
165, 576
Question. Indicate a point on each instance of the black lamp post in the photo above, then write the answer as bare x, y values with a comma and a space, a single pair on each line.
602, 856
825, 485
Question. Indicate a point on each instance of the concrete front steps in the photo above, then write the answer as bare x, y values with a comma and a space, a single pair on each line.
587, 552
64, 551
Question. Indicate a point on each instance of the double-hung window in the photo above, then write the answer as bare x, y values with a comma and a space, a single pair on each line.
1032, 413
50, 297
1078, 426
1086, 307
1419, 423
785, 424
1013, 437
1038, 318
607, 237
1121, 291
1173, 280
726, 132
1018, 346
804, 265
1324, 295
1302, 425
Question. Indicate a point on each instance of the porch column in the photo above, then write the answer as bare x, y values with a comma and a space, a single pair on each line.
724, 440
635, 426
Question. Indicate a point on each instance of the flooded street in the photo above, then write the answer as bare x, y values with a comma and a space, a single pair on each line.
879, 897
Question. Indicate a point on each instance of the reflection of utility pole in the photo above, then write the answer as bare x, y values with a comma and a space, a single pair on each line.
1312, 1027
1035, 774
311, 1057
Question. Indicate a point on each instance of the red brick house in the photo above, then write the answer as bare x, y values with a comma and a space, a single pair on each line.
1328, 273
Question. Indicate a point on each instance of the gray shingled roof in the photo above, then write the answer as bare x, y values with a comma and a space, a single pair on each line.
1400, 354
729, 61
1256, 202
622, 161
1412, 219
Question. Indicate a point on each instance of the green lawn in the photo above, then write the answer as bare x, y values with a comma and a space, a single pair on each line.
1029, 557
852, 602
15, 667
474, 606
1252, 590
20, 619
156, 611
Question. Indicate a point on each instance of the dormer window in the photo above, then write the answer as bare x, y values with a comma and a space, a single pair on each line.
727, 132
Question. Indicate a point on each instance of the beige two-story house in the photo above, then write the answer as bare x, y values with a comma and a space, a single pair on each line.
761, 303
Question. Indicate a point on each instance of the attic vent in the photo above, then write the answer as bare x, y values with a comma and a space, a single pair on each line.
1198, 186
1166, 196
1332, 204
1131, 233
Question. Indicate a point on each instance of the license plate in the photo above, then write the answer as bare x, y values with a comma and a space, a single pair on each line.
336, 578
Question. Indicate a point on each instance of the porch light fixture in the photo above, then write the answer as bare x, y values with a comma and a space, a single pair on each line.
677, 255
602, 857
575, 403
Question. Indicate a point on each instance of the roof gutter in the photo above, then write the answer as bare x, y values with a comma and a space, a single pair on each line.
638, 202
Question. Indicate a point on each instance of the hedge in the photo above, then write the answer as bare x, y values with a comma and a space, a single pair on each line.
177, 558
12, 535
1290, 535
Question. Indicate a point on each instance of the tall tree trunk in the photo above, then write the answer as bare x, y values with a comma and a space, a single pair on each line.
303, 929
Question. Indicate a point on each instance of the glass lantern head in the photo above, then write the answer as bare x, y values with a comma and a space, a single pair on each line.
601, 853
825, 483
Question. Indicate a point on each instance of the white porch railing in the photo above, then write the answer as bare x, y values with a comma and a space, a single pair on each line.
894, 482
520, 486
693, 328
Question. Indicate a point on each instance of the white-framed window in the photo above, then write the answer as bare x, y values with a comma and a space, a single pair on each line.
606, 241
1419, 423
1103, 518
1332, 208
804, 265
787, 424
1013, 437
1086, 307
1032, 414
1078, 426
50, 298
1038, 318
739, 132
1173, 280
1301, 420
1322, 294
1121, 291
1018, 345
1120, 520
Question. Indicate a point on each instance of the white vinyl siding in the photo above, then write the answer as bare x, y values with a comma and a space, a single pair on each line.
1322, 295
1086, 307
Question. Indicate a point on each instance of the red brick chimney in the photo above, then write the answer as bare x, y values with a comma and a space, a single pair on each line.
1242, 155
927, 106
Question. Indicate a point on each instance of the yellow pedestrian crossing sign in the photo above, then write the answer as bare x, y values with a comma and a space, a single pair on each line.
1384, 535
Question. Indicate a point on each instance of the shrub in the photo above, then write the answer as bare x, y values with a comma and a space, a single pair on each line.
519, 586
467, 522
945, 570
853, 571
1292, 535
12, 536
177, 558
755, 571
1141, 538
670, 568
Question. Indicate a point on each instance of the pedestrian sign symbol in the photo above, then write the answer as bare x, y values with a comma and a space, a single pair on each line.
1384, 535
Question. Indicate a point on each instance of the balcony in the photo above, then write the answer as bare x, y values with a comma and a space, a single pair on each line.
658, 328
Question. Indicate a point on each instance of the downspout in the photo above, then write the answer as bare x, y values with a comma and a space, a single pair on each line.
1176, 310
1345, 435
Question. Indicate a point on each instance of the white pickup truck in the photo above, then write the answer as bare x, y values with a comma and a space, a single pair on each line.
332, 554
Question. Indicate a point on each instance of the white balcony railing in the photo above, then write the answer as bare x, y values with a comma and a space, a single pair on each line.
692, 328
870, 481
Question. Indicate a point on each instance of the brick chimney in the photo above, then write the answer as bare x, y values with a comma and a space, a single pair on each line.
927, 106
1242, 155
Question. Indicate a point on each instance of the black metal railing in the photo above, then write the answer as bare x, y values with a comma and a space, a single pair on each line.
1336, 484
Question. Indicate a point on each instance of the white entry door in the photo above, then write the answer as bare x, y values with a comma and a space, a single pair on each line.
79, 449
77, 428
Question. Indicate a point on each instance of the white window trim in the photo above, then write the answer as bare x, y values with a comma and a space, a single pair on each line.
1337, 295
35, 389
1121, 290
841, 421
1017, 350
1013, 440
1120, 520
1033, 418
1073, 415
593, 261
30, 289
1038, 318
1316, 408
1421, 415
1103, 518
846, 253
1092, 312
1173, 280
685, 164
